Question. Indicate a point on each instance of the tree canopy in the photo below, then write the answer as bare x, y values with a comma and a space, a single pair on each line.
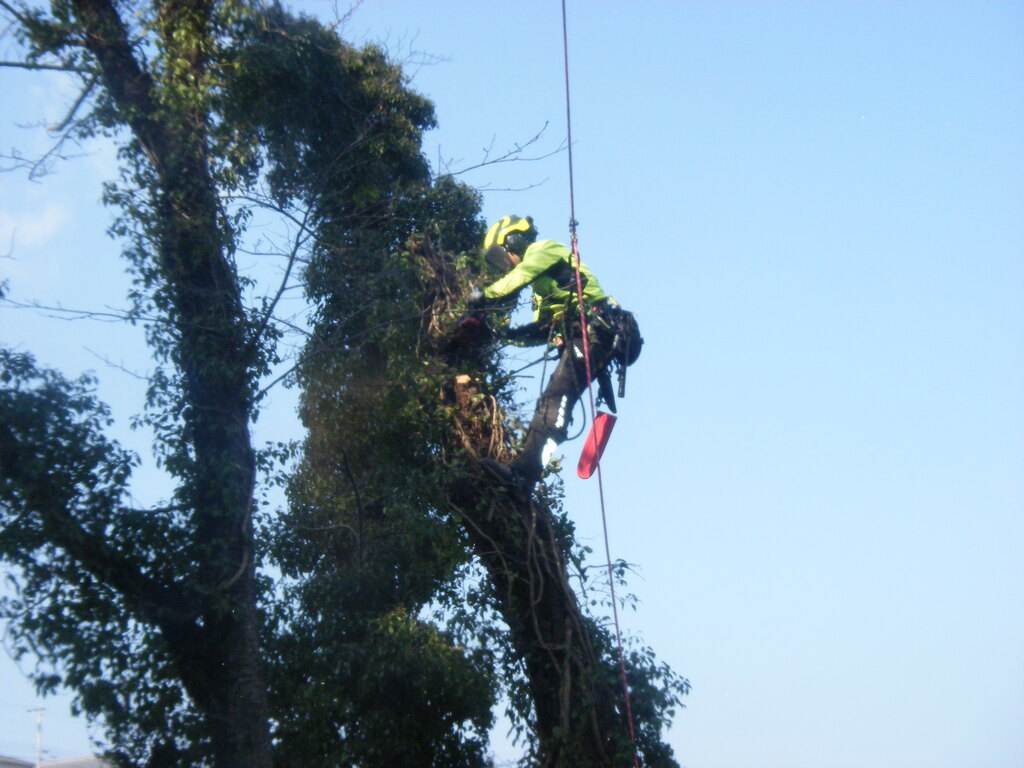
376, 618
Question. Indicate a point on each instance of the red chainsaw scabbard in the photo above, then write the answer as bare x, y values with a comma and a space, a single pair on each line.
597, 439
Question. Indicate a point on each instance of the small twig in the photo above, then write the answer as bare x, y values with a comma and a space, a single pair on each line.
118, 366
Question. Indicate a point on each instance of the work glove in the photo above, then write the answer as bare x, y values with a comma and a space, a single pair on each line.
476, 298
530, 334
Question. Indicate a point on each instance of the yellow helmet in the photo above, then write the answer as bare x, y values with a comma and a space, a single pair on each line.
512, 233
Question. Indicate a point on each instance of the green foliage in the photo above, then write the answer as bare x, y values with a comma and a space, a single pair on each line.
74, 605
365, 532
337, 126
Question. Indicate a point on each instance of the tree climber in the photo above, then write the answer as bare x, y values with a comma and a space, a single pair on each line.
613, 336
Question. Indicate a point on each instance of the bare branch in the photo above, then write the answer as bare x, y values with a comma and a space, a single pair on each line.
78, 102
292, 326
158, 510
49, 67
17, 14
301, 238
118, 366
513, 155
40, 166
266, 202
69, 315
341, 19
277, 380
486, 188
332, 527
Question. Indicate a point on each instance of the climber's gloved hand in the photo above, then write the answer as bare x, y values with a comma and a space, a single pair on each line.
476, 298
530, 334
515, 334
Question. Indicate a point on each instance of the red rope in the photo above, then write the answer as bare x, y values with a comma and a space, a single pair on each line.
590, 391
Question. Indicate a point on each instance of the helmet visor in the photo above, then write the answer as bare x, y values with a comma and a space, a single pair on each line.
497, 257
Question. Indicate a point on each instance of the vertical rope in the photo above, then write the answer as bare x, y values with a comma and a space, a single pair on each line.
590, 389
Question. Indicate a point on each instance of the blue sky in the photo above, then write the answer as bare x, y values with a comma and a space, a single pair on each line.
816, 210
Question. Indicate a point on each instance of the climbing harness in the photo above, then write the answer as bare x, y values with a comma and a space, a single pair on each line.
590, 391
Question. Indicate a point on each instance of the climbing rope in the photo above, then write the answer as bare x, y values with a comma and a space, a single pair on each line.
590, 389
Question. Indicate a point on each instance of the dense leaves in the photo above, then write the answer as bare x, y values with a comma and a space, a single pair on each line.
90, 592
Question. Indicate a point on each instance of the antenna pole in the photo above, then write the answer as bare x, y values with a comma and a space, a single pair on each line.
39, 735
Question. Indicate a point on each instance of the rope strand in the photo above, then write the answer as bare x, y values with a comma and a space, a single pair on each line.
590, 389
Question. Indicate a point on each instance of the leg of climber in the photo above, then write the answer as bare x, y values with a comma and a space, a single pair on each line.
550, 424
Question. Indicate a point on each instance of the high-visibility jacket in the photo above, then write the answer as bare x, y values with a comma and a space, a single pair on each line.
549, 268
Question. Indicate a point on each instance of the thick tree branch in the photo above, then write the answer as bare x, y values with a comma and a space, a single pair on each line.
132, 87
20, 17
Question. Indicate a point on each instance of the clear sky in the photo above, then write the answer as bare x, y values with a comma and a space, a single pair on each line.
816, 210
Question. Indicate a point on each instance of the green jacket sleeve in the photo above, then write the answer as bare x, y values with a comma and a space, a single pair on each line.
539, 257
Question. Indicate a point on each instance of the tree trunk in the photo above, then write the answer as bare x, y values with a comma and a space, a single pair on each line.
219, 659
578, 722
